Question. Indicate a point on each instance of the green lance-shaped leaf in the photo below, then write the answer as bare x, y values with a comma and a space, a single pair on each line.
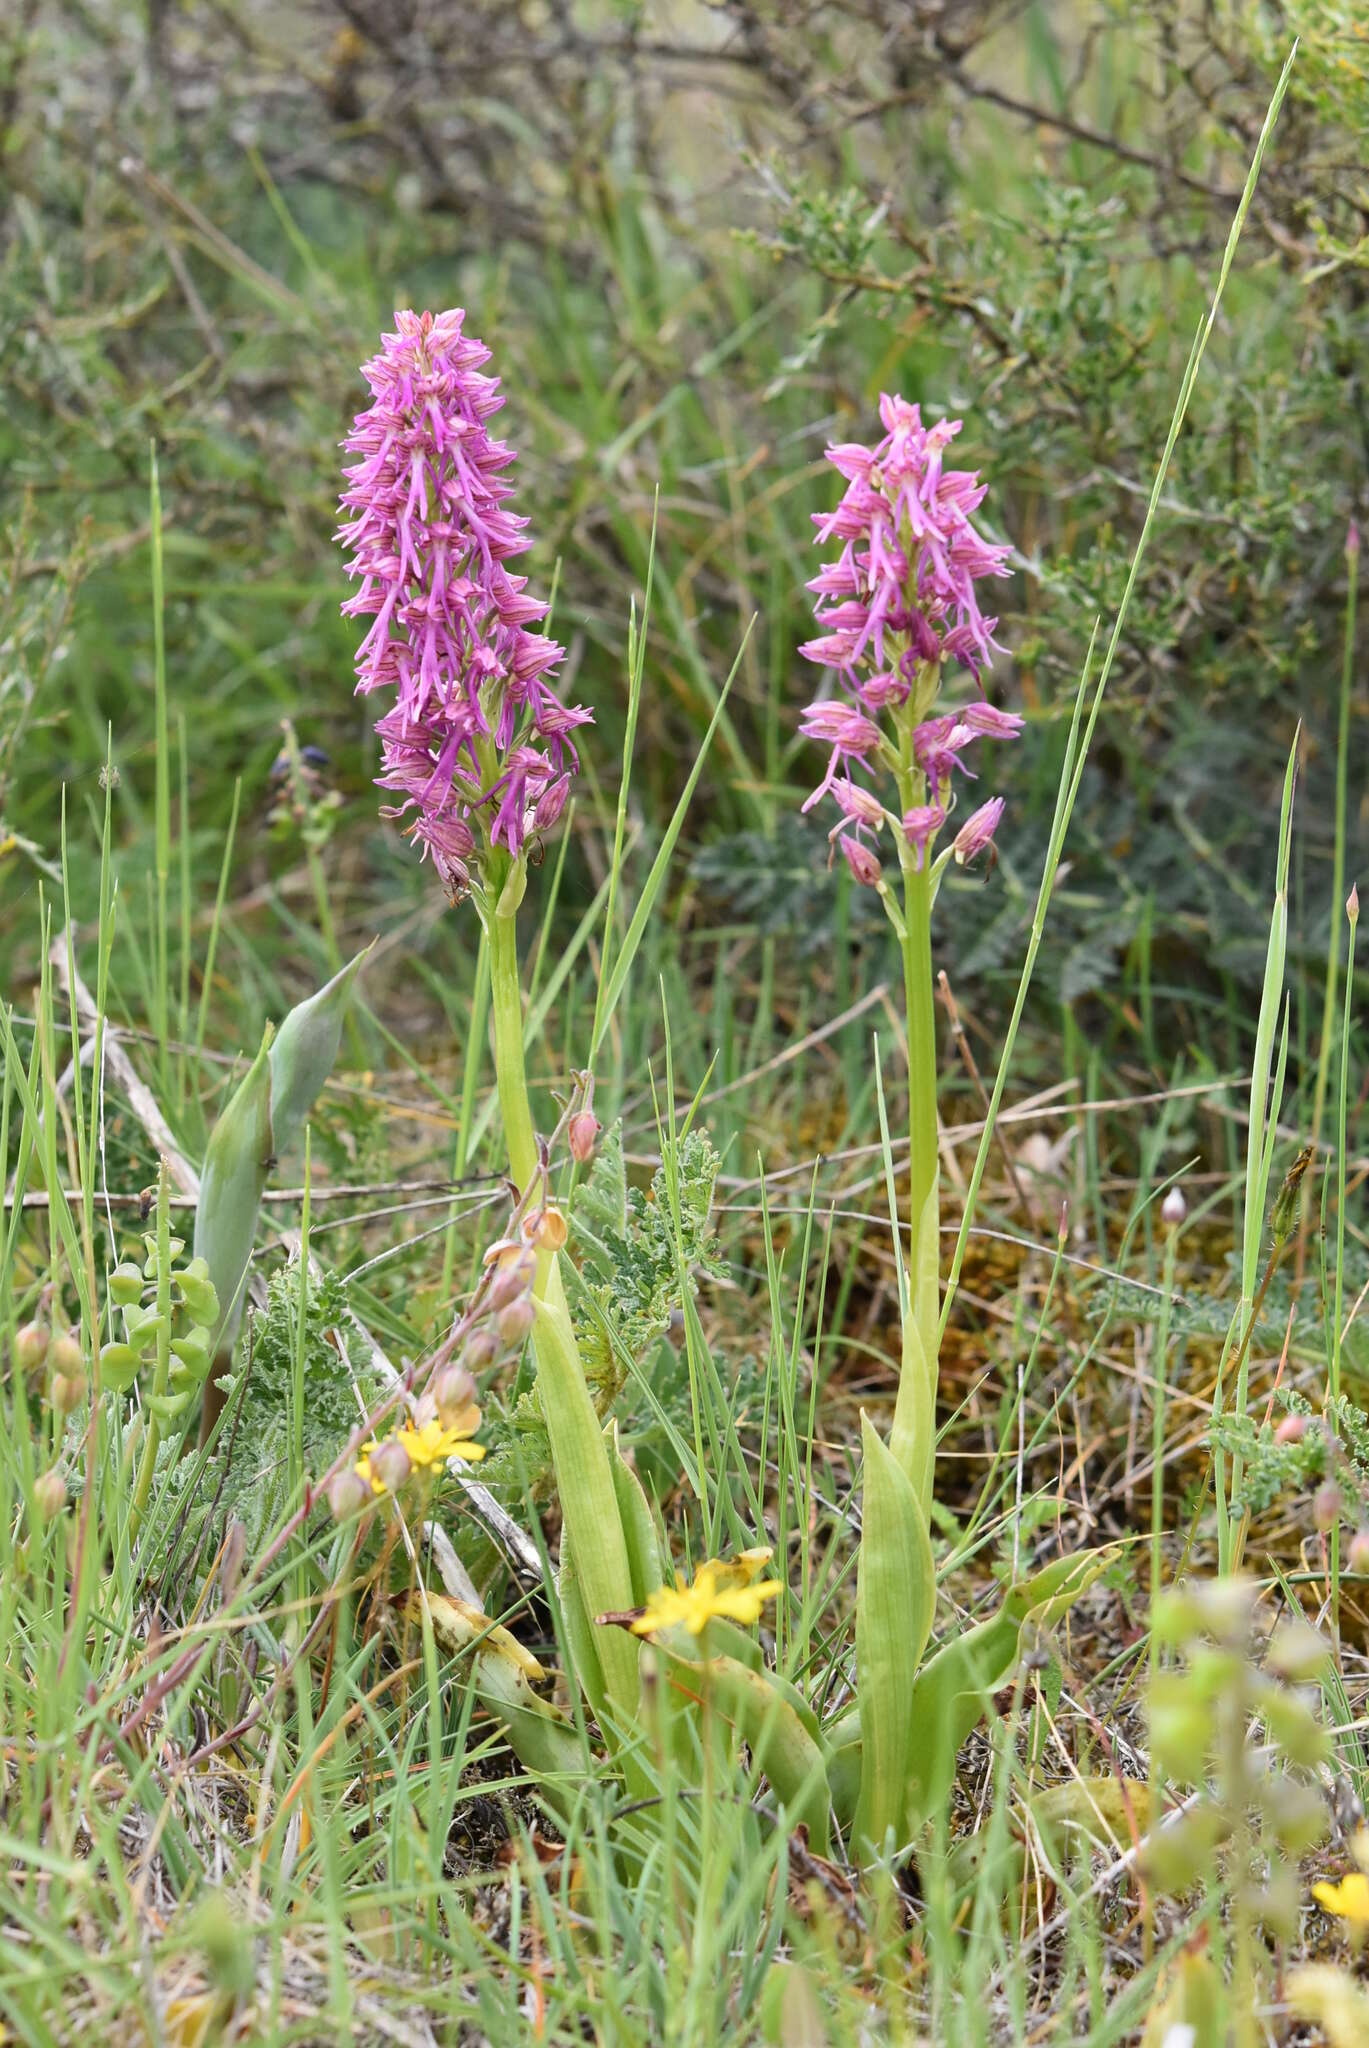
951, 1692
582, 1645
265, 1114
304, 1050
895, 1600
236, 1164
639, 1531
760, 1708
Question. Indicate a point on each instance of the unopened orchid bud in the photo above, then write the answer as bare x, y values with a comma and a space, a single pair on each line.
551, 803
513, 1276
481, 1348
31, 1346
1357, 1557
68, 1391
864, 867
516, 1319
583, 1135
390, 1464
65, 1354
348, 1493
233, 1559
976, 834
551, 1231
1326, 1506
1291, 1430
454, 1397
50, 1494
1285, 1211
1174, 1208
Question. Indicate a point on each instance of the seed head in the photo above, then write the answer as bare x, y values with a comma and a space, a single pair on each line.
50, 1494
515, 1320
65, 1354
68, 1391
454, 1397
551, 1231
513, 1276
31, 1347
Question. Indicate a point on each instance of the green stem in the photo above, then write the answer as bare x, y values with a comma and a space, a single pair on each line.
913, 1440
162, 1372
1337, 1330
584, 1477
1328, 1011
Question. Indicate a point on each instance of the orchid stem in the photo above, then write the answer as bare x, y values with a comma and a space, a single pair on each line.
584, 1477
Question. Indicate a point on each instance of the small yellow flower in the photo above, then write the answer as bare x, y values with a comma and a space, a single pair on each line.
1348, 1900
424, 1447
727, 1590
433, 1445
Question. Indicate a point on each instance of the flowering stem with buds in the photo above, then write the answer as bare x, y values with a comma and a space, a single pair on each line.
584, 1478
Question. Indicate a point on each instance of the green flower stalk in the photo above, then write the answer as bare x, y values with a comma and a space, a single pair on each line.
478, 750
898, 605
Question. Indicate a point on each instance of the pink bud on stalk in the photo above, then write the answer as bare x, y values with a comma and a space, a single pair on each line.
481, 1348
476, 744
1291, 1430
1327, 1503
391, 1464
348, 1493
1357, 1557
517, 1319
582, 1135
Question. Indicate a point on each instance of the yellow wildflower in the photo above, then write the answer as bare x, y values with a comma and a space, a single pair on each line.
726, 1590
1348, 1900
424, 1446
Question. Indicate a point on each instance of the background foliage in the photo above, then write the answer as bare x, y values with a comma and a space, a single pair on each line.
701, 239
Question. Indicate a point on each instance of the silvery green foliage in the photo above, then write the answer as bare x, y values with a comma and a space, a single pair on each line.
625, 1284
631, 1261
249, 1475
1334, 1445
